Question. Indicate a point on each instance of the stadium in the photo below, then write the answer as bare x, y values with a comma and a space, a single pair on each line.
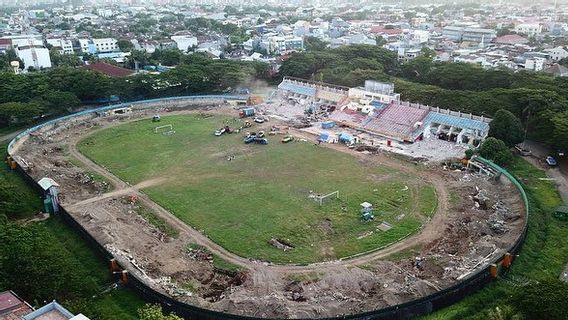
312, 204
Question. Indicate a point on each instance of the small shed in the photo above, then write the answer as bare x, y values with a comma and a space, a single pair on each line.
366, 207
367, 211
51, 192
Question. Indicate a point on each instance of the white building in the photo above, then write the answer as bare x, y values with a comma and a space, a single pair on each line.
106, 45
374, 90
34, 56
65, 46
530, 29
534, 64
557, 53
184, 42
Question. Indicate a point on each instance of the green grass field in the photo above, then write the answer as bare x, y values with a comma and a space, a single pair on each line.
264, 192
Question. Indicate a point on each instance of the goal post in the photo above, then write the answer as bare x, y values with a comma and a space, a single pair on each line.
165, 129
328, 197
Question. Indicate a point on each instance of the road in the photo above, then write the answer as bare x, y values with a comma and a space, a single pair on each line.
559, 174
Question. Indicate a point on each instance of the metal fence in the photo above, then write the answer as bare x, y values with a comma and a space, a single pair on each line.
408, 310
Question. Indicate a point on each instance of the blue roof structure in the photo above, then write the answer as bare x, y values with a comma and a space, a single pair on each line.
454, 121
303, 90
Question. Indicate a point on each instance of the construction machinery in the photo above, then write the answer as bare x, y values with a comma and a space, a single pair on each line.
287, 139
254, 100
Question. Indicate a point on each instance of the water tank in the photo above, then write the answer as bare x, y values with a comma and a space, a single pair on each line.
15, 66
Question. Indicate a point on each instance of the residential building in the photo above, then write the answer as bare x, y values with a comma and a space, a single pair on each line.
12, 307
184, 42
471, 34
557, 70
64, 46
87, 46
106, 45
531, 29
557, 53
534, 64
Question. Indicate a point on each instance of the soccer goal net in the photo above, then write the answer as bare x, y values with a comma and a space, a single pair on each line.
328, 197
165, 130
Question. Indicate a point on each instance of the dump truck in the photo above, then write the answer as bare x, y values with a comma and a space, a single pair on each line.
247, 112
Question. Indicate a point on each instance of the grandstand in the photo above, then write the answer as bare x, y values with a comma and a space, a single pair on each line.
321, 92
301, 89
398, 122
388, 116
461, 128
348, 118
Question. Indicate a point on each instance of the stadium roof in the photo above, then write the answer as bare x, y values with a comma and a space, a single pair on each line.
458, 122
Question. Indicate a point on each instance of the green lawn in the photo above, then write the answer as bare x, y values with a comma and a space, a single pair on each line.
263, 193
542, 257
25, 202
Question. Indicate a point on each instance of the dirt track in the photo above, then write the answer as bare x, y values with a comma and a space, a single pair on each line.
428, 233
449, 244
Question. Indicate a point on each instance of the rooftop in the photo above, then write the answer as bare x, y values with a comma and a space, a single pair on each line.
12, 307
109, 69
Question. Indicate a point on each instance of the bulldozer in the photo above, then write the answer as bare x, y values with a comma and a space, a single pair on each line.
254, 100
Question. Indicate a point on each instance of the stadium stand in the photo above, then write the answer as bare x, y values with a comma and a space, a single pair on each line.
398, 122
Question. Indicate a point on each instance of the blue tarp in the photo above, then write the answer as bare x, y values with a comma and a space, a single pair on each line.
345, 137
324, 136
327, 124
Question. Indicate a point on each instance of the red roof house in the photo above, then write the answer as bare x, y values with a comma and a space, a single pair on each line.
510, 39
109, 69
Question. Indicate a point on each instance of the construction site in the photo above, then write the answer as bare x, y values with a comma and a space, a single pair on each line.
477, 218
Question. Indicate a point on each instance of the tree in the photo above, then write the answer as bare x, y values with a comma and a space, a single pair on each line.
546, 297
560, 133
18, 113
496, 150
66, 60
57, 102
314, 44
380, 41
506, 127
154, 312
125, 45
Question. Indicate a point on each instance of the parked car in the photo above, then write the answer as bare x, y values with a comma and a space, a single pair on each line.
551, 161
220, 131
523, 150
258, 120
